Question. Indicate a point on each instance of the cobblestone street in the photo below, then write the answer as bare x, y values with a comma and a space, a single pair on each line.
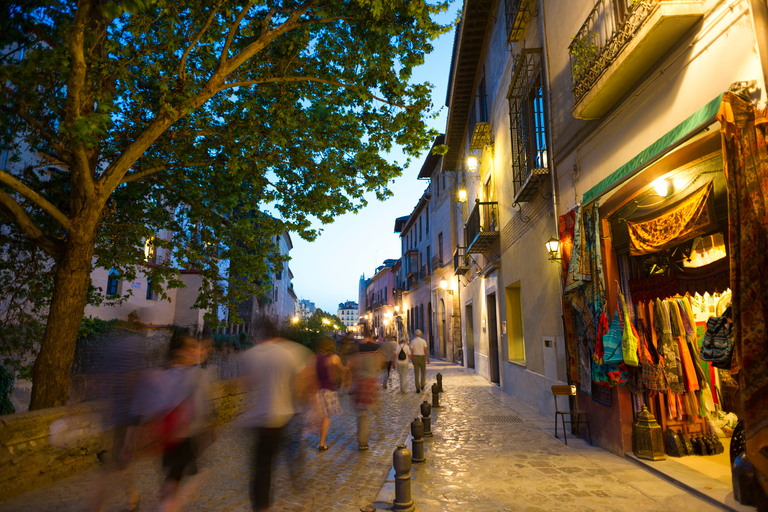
489, 453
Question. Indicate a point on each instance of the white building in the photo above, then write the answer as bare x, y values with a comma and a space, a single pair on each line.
348, 313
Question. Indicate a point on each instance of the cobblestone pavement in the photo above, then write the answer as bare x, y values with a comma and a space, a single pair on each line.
489, 453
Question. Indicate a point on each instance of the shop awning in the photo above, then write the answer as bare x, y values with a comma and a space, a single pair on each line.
702, 117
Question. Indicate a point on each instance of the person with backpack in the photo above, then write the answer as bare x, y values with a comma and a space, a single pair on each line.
402, 355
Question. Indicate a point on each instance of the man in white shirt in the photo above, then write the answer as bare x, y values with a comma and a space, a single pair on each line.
420, 358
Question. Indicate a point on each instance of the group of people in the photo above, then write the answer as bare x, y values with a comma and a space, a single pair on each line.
283, 379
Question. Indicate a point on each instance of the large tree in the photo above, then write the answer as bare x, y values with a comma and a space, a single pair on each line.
221, 121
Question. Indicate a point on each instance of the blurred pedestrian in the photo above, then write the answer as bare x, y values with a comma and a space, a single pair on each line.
346, 349
330, 371
420, 358
122, 369
187, 418
401, 357
278, 374
365, 366
387, 353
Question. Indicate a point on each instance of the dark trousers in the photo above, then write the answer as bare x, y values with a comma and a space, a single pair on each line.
264, 450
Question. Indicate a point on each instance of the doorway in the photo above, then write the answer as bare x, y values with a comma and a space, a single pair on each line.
432, 349
493, 340
442, 330
470, 337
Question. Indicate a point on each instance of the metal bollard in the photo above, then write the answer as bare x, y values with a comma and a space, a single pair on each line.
401, 459
435, 397
417, 444
426, 410
440, 382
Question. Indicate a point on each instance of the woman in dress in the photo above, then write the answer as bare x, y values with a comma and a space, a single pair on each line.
402, 355
329, 371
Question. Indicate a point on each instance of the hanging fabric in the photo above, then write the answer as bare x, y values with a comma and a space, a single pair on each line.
629, 336
686, 219
613, 338
745, 154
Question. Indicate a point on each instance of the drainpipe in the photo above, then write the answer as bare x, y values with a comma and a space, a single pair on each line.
551, 159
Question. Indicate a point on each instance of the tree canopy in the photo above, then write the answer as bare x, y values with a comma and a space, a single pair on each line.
218, 123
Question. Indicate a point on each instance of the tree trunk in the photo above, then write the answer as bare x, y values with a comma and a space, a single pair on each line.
51, 372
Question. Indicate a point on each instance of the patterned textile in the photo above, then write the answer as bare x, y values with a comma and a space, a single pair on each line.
625, 275
328, 403
365, 393
745, 154
655, 287
667, 347
585, 369
571, 341
686, 219
709, 278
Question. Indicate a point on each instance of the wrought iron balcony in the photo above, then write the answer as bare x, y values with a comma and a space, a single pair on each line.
618, 43
436, 263
460, 264
518, 14
482, 228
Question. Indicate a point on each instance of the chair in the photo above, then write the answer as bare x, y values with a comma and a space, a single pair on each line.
569, 391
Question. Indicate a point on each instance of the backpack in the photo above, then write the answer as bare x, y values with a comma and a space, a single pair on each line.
717, 345
401, 355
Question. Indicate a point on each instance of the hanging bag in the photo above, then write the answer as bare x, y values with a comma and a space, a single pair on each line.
629, 336
717, 345
612, 340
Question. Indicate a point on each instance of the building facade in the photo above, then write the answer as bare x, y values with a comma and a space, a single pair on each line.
348, 313
498, 156
380, 301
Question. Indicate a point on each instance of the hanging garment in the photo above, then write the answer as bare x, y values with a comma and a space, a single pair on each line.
612, 341
745, 158
628, 337
689, 372
668, 347
652, 373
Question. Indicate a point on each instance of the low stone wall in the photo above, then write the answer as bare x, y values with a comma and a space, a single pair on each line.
40, 447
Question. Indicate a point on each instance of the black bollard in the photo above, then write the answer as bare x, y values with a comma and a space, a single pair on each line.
439, 382
417, 444
426, 410
401, 459
435, 397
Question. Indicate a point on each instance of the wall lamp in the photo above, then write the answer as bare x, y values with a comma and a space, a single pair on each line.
462, 195
444, 286
553, 248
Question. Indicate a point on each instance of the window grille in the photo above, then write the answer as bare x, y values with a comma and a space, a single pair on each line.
517, 14
527, 122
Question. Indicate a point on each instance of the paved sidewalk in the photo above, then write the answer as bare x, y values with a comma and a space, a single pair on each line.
490, 452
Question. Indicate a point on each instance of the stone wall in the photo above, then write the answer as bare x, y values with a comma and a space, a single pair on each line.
40, 447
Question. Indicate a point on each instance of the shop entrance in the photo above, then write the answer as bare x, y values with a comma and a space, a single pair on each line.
493, 340
470, 330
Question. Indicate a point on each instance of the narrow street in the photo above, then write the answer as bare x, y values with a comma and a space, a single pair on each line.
489, 452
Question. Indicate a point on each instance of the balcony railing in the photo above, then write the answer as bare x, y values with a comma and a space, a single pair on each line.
436, 263
460, 264
644, 28
518, 14
607, 30
482, 228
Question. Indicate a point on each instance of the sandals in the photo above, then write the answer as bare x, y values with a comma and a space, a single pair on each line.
322, 448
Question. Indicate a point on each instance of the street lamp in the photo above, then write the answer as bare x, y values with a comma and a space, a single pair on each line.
295, 319
553, 247
472, 162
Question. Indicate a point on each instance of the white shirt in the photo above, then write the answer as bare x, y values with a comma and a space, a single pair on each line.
419, 346
407, 350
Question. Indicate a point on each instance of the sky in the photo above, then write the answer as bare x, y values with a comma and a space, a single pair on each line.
327, 271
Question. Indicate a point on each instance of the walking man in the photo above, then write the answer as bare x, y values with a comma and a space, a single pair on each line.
420, 357
387, 352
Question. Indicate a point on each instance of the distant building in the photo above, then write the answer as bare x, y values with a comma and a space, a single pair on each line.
348, 313
305, 309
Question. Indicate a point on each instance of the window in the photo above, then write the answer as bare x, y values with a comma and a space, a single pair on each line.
113, 283
515, 339
426, 215
150, 250
151, 295
527, 121
386, 297
420, 229
421, 317
440, 249
429, 260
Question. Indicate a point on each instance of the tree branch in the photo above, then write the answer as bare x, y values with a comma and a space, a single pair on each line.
16, 213
294, 79
152, 170
23, 112
233, 31
76, 91
36, 198
194, 42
